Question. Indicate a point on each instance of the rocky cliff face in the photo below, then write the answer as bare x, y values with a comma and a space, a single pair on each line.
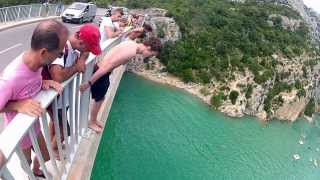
308, 15
287, 105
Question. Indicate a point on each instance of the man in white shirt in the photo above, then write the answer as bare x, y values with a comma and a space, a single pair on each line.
76, 52
107, 27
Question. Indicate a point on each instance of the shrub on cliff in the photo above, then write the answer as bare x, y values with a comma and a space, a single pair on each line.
216, 100
310, 108
233, 96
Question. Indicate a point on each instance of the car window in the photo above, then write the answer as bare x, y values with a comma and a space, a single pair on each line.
77, 6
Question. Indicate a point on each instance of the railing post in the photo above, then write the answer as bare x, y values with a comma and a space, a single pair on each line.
48, 142
77, 109
17, 17
5, 16
65, 123
55, 13
71, 113
57, 130
6, 174
30, 11
40, 10
38, 153
24, 163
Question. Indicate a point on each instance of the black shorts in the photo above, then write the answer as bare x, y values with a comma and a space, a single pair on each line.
100, 87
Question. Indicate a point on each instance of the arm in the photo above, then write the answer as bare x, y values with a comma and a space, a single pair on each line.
110, 33
133, 34
99, 73
26, 106
60, 74
46, 84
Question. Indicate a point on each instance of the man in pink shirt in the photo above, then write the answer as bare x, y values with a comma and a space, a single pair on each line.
21, 81
118, 55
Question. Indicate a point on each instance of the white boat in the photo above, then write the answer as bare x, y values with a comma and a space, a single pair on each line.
301, 142
296, 156
315, 162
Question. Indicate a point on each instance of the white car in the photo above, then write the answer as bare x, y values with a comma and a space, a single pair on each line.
80, 12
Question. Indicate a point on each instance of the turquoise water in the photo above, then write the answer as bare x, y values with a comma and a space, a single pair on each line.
156, 132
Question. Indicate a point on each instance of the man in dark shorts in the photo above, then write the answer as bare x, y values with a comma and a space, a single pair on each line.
118, 55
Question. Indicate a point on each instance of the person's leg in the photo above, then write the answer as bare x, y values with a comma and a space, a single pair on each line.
27, 154
45, 154
52, 132
98, 91
93, 116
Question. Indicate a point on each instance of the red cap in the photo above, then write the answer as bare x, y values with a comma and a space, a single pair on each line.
90, 34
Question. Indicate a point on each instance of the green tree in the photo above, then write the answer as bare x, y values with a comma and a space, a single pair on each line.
310, 108
233, 96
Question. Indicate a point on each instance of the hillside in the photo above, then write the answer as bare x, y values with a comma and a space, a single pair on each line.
255, 58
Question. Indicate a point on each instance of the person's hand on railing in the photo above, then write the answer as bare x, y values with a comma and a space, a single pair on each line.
84, 55
81, 65
46, 84
84, 86
30, 107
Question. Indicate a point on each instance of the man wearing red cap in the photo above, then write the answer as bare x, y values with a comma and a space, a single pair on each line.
76, 52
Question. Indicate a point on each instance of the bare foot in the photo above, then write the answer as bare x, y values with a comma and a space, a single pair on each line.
38, 173
95, 127
99, 123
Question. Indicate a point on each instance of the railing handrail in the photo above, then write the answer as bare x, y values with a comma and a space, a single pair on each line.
25, 5
27, 11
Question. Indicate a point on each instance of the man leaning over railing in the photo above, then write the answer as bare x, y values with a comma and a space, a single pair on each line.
84, 41
21, 81
117, 56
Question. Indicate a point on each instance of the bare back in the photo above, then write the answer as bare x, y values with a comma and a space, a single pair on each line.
119, 54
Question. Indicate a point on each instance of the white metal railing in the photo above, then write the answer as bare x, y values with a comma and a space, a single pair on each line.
23, 12
76, 115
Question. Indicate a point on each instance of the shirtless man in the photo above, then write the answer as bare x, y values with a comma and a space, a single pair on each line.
117, 56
